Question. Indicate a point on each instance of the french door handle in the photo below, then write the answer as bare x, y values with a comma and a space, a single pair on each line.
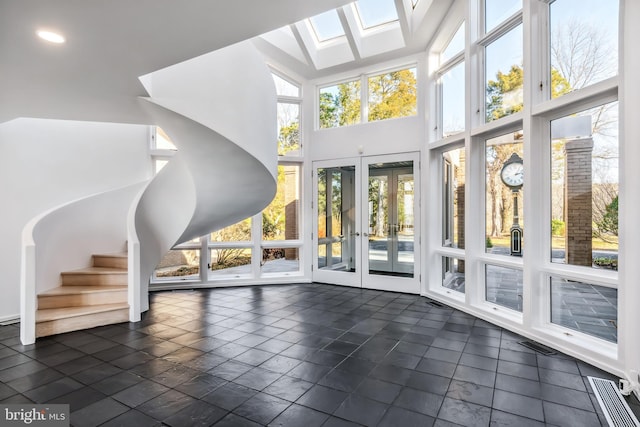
365, 234
355, 234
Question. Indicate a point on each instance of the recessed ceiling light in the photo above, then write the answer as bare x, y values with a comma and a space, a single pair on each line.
50, 36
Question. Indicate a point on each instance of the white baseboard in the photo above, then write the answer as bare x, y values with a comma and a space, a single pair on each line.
9, 320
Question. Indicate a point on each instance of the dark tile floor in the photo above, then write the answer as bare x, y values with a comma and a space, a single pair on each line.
298, 355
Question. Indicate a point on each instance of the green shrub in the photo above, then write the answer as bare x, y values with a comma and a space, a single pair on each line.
606, 262
557, 227
488, 242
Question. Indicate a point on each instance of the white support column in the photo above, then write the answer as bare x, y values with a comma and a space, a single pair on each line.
629, 273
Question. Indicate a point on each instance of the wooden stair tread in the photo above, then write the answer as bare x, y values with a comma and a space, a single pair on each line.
97, 270
113, 255
79, 289
50, 314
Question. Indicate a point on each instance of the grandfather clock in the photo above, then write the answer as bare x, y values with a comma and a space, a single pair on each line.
512, 175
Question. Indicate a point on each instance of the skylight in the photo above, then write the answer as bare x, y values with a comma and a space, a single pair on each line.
327, 25
376, 12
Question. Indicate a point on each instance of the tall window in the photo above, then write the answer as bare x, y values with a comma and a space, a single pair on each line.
453, 217
558, 272
584, 188
288, 111
453, 213
504, 193
281, 223
451, 85
266, 244
583, 45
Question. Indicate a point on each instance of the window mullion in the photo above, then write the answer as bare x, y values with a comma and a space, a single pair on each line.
364, 99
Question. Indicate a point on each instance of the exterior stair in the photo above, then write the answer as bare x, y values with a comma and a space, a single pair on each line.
87, 298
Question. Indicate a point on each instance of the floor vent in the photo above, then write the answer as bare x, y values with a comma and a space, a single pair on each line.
543, 349
613, 405
436, 304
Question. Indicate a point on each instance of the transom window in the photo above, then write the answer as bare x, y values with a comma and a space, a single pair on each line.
340, 105
392, 95
389, 95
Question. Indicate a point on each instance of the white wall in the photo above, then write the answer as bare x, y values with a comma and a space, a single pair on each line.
46, 163
383, 137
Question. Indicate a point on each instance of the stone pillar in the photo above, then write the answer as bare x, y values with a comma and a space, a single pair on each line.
578, 201
291, 202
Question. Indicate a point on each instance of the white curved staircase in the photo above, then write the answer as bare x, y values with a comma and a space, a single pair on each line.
88, 297
220, 111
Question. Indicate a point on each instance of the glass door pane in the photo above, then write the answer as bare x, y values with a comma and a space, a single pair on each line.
389, 212
391, 219
402, 227
379, 236
336, 249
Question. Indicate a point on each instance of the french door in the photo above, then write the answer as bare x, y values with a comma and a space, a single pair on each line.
365, 222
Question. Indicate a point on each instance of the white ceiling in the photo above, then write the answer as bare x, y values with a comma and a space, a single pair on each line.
110, 43
297, 47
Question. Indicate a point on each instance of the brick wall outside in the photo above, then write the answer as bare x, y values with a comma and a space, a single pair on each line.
578, 201
291, 208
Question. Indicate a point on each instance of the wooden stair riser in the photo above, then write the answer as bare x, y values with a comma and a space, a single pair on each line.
90, 279
89, 297
81, 299
85, 321
114, 261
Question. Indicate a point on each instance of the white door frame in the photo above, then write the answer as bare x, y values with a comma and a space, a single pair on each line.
343, 274
391, 282
361, 277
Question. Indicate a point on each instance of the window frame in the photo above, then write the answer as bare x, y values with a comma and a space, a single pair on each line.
535, 121
363, 78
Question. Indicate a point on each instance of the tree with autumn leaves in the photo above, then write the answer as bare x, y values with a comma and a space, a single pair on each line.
391, 95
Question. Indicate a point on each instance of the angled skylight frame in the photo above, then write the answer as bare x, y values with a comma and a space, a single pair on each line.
326, 26
326, 54
376, 13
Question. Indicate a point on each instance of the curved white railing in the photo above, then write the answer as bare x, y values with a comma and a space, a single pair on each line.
220, 112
